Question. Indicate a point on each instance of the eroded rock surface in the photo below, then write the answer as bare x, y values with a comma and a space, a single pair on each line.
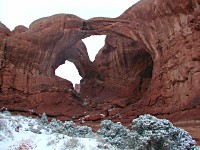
150, 63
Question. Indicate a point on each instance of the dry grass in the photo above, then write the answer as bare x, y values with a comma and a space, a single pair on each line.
24, 145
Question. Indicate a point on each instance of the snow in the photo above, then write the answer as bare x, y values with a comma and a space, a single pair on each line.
148, 132
25, 139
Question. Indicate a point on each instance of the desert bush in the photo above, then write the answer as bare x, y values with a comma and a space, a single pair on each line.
5, 131
159, 134
56, 126
114, 133
83, 131
44, 119
147, 132
35, 130
7, 113
69, 128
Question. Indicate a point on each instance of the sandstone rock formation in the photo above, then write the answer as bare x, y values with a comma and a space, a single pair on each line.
150, 63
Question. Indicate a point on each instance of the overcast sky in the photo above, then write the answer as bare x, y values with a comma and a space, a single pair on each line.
23, 12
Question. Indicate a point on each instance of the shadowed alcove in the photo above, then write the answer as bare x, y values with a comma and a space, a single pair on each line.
123, 70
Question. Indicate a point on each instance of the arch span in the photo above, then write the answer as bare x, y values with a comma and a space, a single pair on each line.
113, 65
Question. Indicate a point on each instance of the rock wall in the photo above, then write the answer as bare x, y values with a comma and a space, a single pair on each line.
149, 64
28, 62
150, 61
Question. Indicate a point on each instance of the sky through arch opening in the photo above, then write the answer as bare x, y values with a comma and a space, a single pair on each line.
94, 43
69, 71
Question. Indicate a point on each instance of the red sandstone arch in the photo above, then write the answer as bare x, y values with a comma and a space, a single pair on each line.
164, 34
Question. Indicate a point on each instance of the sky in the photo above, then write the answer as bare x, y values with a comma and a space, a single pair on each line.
24, 12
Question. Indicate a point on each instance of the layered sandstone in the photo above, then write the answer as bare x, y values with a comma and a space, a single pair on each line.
150, 63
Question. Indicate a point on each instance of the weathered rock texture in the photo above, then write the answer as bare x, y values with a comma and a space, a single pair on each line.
150, 63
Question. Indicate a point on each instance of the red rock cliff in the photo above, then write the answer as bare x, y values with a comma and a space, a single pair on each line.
150, 63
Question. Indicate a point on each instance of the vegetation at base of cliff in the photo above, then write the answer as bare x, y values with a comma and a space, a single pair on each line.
147, 132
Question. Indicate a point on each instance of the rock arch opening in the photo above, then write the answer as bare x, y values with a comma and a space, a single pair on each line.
123, 71
94, 43
69, 71
122, 68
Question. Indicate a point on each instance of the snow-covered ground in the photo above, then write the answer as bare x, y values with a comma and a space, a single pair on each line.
17, 133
